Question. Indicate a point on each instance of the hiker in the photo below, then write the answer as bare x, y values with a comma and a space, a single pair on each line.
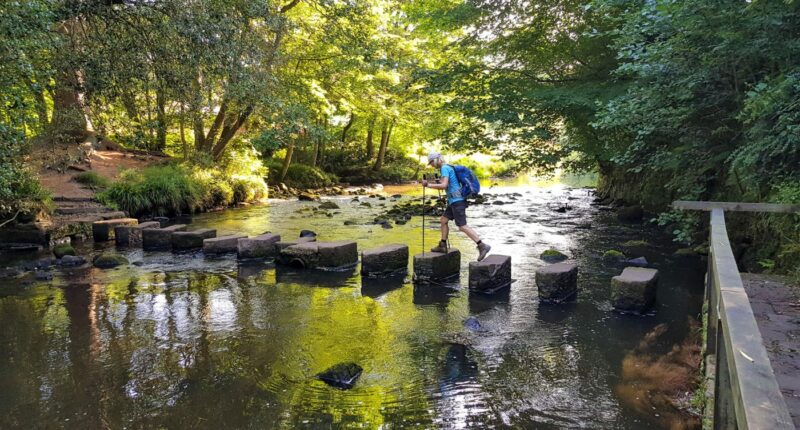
456, 205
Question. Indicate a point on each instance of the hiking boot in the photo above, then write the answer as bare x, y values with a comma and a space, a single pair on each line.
441, 247
483, 249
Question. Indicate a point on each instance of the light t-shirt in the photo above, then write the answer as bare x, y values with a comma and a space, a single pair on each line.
453, 186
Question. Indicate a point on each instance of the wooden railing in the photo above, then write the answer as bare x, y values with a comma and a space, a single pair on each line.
746, 394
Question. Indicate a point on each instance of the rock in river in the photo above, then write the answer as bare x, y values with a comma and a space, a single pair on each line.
108, 261
342, 375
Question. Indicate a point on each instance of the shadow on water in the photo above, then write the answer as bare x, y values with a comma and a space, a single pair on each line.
184, 341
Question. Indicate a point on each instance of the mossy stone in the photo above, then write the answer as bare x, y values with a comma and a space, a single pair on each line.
553, 256
63, 249
636, 244
613, 255
328, 205
108, 261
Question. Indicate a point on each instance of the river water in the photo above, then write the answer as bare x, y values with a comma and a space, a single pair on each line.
187, 341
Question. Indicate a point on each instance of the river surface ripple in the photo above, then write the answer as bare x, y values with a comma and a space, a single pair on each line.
187, 341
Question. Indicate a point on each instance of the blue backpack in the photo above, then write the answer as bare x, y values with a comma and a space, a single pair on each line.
468, 181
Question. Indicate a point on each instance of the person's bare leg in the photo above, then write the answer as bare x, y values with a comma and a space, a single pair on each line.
444, 227
471, 233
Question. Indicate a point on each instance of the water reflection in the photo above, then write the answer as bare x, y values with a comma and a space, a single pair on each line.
184, 341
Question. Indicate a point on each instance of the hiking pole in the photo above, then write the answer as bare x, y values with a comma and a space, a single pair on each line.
423, 214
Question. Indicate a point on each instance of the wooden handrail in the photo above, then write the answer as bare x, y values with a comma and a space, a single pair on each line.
747, 394
736, 206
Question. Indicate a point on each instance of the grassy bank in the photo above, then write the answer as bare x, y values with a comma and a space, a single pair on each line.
184, 188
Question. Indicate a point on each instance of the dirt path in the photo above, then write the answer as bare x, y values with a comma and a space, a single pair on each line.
776, 305
107, 164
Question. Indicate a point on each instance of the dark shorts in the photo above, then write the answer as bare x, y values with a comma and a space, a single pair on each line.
458, 212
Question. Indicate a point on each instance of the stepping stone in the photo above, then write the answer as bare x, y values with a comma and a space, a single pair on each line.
132, 234
281, 245
103, 230
159, 238
634, 290
321, 255
384, 261
186, 240
491, 274
262, 246
433, 267
557, 282
222, 244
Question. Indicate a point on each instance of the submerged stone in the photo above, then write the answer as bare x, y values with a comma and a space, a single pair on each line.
108, 261
70, 261
222, 244
634, 290
262, 246
103, 231
557, 282
613, 255
432, 267
342, 375
638, 261
473, 324
385, 261
328, 205
307, 233
186, 240
631, 214
490, 274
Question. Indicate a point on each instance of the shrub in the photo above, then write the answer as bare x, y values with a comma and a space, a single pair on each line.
300, 175
175, 189
91, 179
161, 190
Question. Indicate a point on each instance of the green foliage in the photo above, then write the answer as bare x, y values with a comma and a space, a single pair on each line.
180, 189
91, 179
300, 176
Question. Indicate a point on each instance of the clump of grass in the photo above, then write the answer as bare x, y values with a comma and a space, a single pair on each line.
91, 179
180, 189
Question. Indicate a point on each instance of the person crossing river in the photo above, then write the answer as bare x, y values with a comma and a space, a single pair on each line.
456, 205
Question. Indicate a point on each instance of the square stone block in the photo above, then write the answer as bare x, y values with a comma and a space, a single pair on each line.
557, 282
281, 245
103, 230
385, 261
436, 266
634, 290
159, 238
321, 255
262, 246
186, 240
491, 274
132, 234
222, 244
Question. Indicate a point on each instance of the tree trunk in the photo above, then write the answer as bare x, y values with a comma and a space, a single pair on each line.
161, 119
287, 160
386, 132
370, 145
183, 134
69, 119
347, 126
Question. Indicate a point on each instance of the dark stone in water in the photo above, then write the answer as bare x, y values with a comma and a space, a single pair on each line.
639, 262
473, 324
307, 233
42, 275
71, 261
342, 375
